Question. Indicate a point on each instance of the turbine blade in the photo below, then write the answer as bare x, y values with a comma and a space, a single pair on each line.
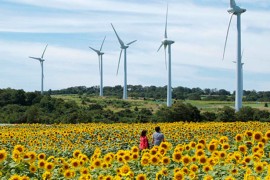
119, 61
94, 50
131, 42
165, 35
165, 56
44, 51
120, 41
102, 43
232, 3
160, 47
34, 58
227, 37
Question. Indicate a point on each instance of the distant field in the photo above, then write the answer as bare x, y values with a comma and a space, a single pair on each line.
154, 105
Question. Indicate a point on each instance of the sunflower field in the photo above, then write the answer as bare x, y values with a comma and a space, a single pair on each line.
199, 151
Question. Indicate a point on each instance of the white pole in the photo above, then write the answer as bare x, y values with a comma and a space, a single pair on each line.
41, 63
101, 77
125, 75
169, 87
238, 95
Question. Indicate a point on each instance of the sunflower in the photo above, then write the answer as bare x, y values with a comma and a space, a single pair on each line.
32, 155
15, 177
165, 160
185, 170
75, 163
135, 156
212, 147
208, 177
267, 134
242, 148
141, 177
97, 163
42, 156
108, 177
186, 160
69, 174
177, 156
49, 166
213, 161
127, 157
164, 172
134, 149
25, 178
199, 152
32, 168
259, 167
238, 137
154, 160
193, 168
207, 168
41, 164
108, 158
225, 146
222, 154
179, 175
192, 144
202, 141
145, 161
176, 170
257, 136
47, 175
3, 155
229, 178
248, 133
202, 159
16, 155
192, 175
234, 171
84, 171
200, 146
65, 166
19, 148
125, 170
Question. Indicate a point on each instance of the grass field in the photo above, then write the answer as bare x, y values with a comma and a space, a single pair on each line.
154, 105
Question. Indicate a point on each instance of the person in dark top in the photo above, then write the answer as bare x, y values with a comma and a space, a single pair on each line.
158, 137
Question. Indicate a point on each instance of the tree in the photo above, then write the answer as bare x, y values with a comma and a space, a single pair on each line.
245, 114
226, 114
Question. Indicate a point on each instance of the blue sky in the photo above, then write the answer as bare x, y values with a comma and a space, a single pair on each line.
198, 28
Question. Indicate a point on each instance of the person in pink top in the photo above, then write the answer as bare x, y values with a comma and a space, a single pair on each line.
143, 140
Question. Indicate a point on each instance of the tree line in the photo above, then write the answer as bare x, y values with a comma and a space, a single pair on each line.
179, 93
18, 106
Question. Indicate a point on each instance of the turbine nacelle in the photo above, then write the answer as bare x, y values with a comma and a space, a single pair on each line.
236, 10
167, 42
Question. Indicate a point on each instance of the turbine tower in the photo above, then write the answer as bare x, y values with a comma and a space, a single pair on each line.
100, 61
124, 47
166, 42
237, 11
41, 60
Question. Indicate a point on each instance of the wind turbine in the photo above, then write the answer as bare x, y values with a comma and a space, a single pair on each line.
100, 61
124, 47
41, 60
166, 42
237, 11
